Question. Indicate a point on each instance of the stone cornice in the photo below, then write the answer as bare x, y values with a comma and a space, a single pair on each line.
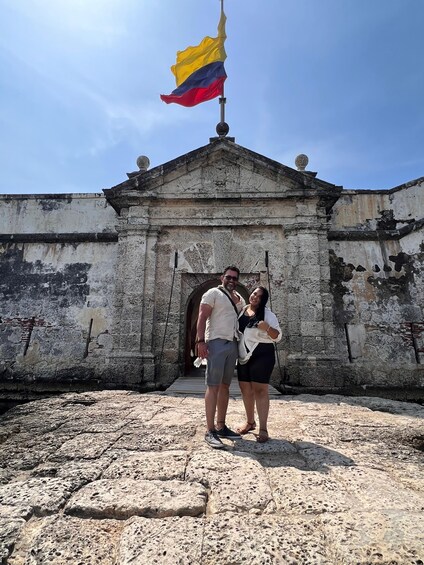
376, 235
383, 191
98, 237
305, 227
145, 187
130, 198
69, 197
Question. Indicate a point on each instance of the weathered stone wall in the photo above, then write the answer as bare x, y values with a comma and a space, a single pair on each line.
366, 210
377, 280
55, 214
103, 290
57, 284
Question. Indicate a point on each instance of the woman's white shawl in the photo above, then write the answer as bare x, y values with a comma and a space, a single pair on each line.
252, 336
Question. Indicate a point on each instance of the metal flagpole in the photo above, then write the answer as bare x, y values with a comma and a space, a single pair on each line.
222, 99
222, 128
222, 102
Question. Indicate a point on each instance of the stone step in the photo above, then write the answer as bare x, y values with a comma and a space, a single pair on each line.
194, 385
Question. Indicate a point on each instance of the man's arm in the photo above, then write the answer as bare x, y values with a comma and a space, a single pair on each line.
204, 312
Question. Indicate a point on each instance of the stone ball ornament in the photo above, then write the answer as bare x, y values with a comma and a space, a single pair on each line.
143, 162
301, 162
222, 129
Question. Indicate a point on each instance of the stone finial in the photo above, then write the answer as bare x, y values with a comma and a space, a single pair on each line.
301, 162
143, 163
222, 129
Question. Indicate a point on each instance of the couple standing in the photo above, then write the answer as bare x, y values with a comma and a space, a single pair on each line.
227, 330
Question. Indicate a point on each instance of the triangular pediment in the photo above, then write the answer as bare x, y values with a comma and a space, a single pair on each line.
220, 170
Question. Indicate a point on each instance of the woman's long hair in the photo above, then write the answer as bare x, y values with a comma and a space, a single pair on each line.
260, 312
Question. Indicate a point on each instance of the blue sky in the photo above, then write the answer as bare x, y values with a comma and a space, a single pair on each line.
339, 80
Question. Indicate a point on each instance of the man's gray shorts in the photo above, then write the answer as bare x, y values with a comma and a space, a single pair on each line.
221, 363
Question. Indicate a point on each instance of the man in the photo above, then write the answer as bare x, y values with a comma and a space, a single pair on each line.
217, 336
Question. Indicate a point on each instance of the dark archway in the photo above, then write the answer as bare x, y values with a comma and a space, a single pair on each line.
192, 312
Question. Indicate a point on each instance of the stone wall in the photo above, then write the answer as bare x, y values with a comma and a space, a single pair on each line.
103, 290
377, 281
57, 285
55, 214
370, 210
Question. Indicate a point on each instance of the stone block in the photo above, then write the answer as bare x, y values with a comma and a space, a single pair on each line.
309, 272
313, 345
62, 539
293, 325
312, 312
310, 287
295, 343
122, 498
291, 260
312, 329
166, 540
44, 495
159, 466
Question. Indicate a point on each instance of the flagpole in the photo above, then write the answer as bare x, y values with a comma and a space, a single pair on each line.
222, 128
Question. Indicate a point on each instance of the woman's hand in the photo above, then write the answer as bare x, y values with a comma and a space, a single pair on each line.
270, 332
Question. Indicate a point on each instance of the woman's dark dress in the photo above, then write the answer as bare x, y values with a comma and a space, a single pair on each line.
260, 365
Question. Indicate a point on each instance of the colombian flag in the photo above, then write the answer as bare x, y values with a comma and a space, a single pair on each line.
199, 71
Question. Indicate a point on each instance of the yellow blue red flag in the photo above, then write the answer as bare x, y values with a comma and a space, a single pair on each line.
199, 71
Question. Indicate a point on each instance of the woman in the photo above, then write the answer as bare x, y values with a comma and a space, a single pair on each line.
260, 330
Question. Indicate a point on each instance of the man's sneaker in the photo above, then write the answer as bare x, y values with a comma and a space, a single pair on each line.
226, 433
213, 440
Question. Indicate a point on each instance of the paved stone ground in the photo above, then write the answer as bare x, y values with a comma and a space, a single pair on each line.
120, 478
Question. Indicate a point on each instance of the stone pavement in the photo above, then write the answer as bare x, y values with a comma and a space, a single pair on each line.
118, 477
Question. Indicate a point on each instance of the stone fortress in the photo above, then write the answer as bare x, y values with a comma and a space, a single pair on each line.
102, 290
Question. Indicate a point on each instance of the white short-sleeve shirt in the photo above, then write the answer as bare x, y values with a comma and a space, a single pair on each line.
223, 321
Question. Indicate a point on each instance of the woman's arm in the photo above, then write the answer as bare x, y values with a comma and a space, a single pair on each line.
266, 327
271, 326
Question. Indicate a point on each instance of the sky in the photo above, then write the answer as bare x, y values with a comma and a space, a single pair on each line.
339, 80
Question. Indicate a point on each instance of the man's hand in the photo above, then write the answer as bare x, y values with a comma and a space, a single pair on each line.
235, 297
202, 350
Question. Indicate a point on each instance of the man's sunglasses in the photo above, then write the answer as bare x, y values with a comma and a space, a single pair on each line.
230, 278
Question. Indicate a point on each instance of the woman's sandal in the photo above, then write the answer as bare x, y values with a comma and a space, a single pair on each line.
248, 427
262, 437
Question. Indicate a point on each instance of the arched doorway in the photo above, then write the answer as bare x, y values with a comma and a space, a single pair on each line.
192, 312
